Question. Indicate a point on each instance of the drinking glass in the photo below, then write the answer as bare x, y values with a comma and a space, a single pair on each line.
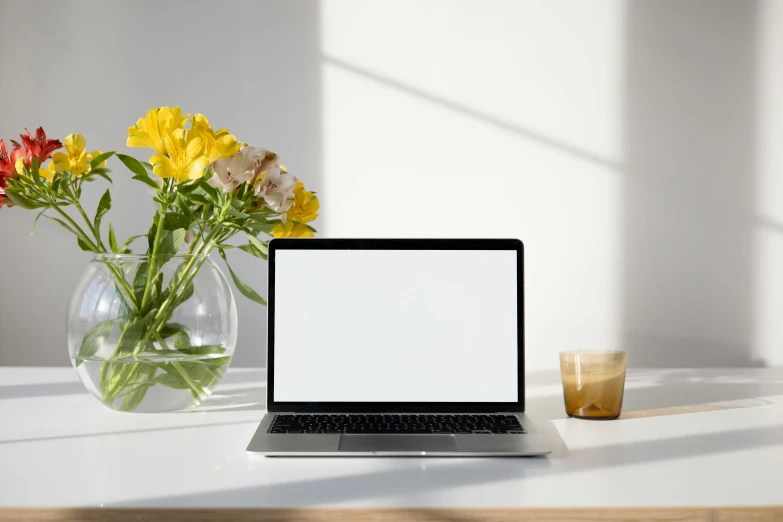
593, 383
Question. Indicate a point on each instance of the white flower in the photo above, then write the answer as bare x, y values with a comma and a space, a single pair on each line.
276, 186
229, 173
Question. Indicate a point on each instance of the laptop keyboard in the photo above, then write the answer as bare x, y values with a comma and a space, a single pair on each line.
446, 424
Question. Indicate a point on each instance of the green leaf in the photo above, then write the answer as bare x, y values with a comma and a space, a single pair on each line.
198, 198
133, 165
172, 380
149, 166
181, 340
206, 371
174, 221
129, 241
140, 381
140, 173
21, 201
84, 246
170, 243
206, 349
140, 281
113, 240
170, 329
104, 176
253, 251
103, 207
259, 227
124, 312
263, 247
159, 283
93, 340
34, 171
62, 223
208, 190
36, 220
186, 294
188, 187
100, 159
237, 214
243, 287
133, 335
144, 178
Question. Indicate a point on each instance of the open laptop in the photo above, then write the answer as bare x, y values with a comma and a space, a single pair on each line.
396, 347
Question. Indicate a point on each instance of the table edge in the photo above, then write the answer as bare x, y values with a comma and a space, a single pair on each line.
588, 514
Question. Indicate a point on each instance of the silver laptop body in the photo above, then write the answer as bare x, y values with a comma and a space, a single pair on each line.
396, 347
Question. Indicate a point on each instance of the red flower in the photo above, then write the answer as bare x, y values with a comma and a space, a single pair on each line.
37, 147
8, 161
3, 183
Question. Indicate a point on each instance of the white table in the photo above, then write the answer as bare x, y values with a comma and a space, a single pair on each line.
687, 439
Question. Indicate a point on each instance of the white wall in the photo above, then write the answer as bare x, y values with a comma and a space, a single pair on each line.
633, 145
94, 67
485, 119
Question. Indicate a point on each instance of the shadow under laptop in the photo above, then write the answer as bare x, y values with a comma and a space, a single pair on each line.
417, 482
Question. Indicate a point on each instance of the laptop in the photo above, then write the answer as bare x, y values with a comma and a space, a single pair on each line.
396, 347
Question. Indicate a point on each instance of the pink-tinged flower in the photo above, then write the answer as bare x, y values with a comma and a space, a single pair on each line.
276, 187
229, 173
38, 146
8, 160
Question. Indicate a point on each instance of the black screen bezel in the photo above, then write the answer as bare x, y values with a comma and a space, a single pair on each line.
396, 407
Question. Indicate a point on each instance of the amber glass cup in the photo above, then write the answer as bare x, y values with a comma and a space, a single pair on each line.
593, 383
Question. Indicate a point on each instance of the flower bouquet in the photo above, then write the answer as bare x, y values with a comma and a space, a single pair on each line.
155, 329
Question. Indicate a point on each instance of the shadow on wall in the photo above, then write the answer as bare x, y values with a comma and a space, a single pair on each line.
689, 183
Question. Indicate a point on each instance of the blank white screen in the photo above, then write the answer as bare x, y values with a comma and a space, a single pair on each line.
395, 326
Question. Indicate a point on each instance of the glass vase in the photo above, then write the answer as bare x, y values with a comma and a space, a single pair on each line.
151, 333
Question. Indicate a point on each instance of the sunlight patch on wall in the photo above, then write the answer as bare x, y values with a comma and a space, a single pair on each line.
768, 344
445, 119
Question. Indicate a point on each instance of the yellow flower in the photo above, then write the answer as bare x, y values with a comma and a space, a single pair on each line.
291, 229
217, 144
183, 158
152, 130
200, 123
305, 207
220, 147
94, 154
48, 172
75, 159
19, 166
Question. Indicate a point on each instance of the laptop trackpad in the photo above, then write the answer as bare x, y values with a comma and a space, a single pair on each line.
412, 443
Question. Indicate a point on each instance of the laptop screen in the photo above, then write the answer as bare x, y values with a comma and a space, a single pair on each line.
395, 326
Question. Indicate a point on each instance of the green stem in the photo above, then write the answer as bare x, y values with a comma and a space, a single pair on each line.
83, 236
177, 366
79, 232
200, 256
152, 258
160, 319
90, 225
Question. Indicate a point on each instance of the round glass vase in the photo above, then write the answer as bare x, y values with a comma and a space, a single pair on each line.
151, 333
